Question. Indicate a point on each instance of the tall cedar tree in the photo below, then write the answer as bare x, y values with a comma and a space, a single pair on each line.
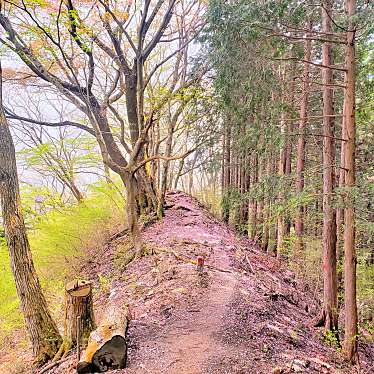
330, 293
350, 257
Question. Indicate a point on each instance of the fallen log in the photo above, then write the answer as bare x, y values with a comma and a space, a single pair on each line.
107, 348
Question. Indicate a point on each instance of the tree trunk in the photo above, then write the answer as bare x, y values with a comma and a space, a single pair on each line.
190, 182
340, 209
252, 227
179, 172
165, 169
107, 175
280, 217
267, 201
76, 192
131, 83
272, 246
350, 259
300, 161
288, 149
223, 163
132, 209
43, 332
330, 296
227, 175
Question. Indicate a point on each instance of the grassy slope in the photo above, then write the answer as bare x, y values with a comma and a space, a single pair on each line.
56, 241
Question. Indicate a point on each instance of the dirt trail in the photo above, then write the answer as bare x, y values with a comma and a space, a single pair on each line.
187, 347
186, 344
246, 314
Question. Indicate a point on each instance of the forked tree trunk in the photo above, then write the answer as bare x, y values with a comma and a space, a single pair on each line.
350, 257
43, 332
330, 296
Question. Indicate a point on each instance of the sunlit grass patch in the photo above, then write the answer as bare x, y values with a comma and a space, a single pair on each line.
58, 239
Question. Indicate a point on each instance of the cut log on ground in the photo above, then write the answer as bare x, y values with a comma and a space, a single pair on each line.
107, 348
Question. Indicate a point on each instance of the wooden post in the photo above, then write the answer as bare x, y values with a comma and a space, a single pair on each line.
200, 264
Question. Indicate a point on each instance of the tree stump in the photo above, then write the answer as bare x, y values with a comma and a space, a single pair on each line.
107, 348
78, 310
78, 304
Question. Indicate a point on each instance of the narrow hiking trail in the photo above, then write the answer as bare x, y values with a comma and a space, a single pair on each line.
245, 314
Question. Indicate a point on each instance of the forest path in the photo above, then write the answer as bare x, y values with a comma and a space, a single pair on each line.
188, 343
246, 314
189, 340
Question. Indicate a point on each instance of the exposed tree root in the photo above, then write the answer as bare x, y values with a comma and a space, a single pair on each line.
181, 207
45, 355
119, 235
64, 350
134, 254
52, 365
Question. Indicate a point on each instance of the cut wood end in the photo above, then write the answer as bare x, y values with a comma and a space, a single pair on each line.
78, 288
84, 367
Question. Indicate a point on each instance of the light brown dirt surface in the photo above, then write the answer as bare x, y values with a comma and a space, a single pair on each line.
246, 313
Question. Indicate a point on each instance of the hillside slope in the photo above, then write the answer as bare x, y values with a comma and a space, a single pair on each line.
245, 314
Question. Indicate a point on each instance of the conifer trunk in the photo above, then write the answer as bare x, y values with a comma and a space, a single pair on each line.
253, 206
280, 218
330, 297
300, 158
350, 259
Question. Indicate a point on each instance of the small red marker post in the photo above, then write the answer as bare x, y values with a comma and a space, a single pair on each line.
200, 264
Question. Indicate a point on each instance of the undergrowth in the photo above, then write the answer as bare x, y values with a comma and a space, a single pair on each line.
308, 265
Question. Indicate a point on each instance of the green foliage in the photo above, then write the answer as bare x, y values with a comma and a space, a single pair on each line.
69, 154
104, 283
331, 338
365, 288
210, 198
58, 239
